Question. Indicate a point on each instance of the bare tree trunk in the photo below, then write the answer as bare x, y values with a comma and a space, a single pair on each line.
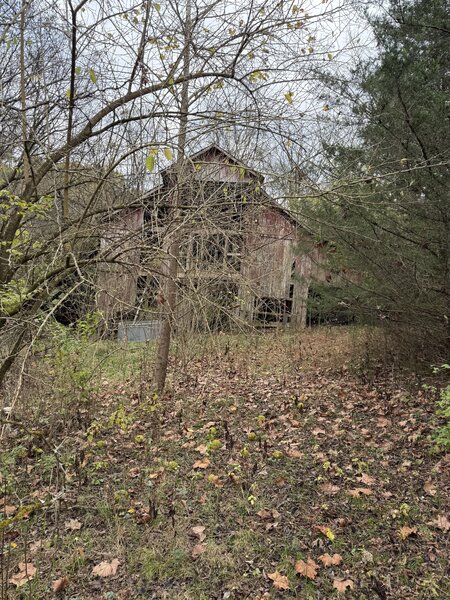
73, 51
23, 98
170, 269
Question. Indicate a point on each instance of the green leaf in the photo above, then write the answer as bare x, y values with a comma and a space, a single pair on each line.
330, 56
168, 153
150, 162
289, 97
92, 76
77, 70
157, 6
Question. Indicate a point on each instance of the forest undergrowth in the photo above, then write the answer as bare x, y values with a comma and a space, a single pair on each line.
275, 466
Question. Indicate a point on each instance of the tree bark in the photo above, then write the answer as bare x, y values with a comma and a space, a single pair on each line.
171, 263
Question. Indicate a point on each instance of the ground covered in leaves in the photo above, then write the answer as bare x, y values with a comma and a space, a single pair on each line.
273, 469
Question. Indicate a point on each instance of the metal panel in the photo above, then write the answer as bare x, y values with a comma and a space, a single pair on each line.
139, 331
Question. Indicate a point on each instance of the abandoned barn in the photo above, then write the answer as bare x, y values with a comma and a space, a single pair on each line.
242, 258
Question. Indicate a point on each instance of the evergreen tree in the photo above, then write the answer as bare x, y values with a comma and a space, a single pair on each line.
388, 209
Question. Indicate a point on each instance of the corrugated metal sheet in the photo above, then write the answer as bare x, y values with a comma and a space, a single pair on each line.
139, 331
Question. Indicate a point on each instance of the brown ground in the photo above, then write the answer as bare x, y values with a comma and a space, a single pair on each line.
264, 455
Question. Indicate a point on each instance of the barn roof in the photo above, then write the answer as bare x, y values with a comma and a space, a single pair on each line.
268, 202
214, 148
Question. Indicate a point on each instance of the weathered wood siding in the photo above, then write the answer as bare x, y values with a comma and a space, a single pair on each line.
120, 243
269, 253
278, 254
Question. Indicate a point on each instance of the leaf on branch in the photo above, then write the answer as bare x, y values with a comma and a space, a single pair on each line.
150, 162
289, 97
92, 76
168, 153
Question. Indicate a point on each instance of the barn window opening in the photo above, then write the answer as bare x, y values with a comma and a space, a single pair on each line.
273, 310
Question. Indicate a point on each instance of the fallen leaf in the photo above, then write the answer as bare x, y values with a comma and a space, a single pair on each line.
35, 547
73, 525
201, 464
294, 453
215, 480
442, 523
197, 550
326, 531
357, 492
203, 448
404, 532
199, 530
329, 560
264, 514
159, 473
105, 568
307, 569
429, 488
280, 582
9, 510
26, 573
329, 489
341, 585
318, 431
60, 584
367, 479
